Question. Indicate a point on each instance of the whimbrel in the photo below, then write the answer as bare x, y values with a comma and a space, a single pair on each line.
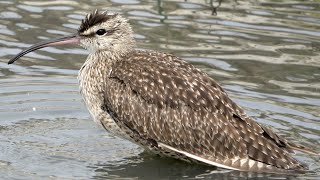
167, 105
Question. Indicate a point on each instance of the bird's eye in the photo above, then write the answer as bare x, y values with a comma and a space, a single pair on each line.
101, 32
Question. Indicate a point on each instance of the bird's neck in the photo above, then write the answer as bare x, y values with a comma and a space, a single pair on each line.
112, 51
112, 54
103, 60
100, 62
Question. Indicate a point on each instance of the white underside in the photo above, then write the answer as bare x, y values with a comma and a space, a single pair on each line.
196, 157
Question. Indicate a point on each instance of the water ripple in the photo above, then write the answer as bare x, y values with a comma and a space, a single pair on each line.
266, 54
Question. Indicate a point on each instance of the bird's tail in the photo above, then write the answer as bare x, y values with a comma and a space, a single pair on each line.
301, 148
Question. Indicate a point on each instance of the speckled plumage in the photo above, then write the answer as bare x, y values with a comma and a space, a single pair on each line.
158, 98
168, 106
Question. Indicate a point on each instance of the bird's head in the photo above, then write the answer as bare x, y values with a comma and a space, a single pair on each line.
98, 32
101, 31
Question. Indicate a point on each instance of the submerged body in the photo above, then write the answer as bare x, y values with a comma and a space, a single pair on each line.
168, 106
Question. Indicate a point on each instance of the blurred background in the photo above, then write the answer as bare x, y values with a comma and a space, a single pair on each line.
265, 53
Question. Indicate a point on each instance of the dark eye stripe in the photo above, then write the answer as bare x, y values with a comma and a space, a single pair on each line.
109, 32
88, 35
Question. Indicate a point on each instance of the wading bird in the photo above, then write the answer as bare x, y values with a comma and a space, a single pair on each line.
167, 105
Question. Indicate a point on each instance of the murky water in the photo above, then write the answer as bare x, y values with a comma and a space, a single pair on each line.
265, 53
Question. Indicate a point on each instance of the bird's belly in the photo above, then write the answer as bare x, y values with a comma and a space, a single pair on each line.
103, 118
94, 104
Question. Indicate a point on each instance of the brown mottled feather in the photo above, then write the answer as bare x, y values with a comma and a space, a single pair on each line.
168, 100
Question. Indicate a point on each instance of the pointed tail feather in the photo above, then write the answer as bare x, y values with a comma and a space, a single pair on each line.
301, 148
237, 164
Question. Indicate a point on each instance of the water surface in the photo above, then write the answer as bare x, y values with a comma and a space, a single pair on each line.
265, 53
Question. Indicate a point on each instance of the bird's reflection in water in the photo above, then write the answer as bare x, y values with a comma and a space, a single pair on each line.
149, 166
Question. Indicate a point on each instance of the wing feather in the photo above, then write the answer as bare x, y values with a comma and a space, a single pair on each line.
168, 100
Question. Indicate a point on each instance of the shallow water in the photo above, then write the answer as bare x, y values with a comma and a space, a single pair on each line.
265, 53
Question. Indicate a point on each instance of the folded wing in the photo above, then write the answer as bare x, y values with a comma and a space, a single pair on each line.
169, 102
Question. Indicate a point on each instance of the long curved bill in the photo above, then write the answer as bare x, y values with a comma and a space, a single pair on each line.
72, 39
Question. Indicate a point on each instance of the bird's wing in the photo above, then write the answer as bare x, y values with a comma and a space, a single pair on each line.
168, 101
